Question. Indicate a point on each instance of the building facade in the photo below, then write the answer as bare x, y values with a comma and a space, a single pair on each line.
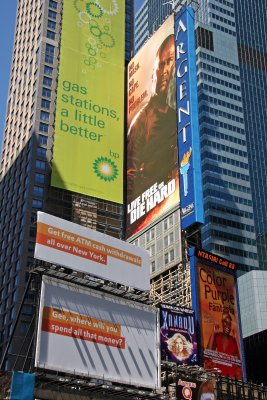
26, 167
252, 53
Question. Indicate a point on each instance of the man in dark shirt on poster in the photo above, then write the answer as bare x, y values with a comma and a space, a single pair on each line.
152, 138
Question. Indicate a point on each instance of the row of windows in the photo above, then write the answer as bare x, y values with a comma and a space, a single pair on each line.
235, 252
229, 161
229, 223
222, 136
229, 236
220, 124
221, 19
228, 172
222, 10
218, 102
219, 81
233, 211
224, 184
211, 58
223, 29
219, 71
221, 196
220, 113
214, 90
226, 3
222, 147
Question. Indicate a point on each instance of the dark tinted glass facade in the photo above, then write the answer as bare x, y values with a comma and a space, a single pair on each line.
251, 29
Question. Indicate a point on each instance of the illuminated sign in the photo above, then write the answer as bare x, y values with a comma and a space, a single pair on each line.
89, 127
222, 262
215, 299
152, 154
178, 337
191, 196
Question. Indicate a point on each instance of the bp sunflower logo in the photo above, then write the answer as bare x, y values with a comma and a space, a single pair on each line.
105, 169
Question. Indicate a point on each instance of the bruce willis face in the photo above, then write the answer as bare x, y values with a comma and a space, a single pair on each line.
164, 71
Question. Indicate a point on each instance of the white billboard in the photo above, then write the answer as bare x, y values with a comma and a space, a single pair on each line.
90, 333
83, 249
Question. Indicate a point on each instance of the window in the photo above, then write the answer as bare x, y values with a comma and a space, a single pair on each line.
52, 14
39, 178
43, 127
38, 204
150, 234
42, 139
24, 326
51, 24
46, 92
40, 164
44, 116
45, 104
41, 151
49, 53
50, 35
38, 191
53, 4
48, 70
152, 266
151, 250
47, 81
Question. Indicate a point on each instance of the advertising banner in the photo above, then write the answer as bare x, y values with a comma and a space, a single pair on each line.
89, 126
83, 249
193, 390
178, 336
219, 317
152, 155
106, 337
191, 195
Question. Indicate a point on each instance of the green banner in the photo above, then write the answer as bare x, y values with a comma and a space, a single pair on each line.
88, 142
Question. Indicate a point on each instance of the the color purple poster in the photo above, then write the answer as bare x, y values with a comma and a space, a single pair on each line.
178, 335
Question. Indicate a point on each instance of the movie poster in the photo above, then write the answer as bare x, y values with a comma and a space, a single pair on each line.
193, 390
178, 336
219, 321
152, 154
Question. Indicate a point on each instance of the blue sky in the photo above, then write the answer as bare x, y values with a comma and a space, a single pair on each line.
7, 23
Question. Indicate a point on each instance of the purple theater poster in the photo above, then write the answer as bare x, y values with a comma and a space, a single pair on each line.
178, 336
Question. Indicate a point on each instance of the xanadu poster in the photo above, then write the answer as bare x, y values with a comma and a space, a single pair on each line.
178, 337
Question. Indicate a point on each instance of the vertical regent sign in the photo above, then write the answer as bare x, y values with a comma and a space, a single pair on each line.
152, 155
88, 141
191, 196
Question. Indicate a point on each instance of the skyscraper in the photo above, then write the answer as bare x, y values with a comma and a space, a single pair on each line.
26, 166
252, 51
229, 221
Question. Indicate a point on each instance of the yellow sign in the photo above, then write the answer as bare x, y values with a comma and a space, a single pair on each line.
88, 142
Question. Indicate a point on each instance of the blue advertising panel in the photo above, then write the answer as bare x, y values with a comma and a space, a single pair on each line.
178, 336
191, 195
215, 301
22, 386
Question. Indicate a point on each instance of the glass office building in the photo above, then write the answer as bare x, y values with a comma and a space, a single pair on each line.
252, 51
229, 221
